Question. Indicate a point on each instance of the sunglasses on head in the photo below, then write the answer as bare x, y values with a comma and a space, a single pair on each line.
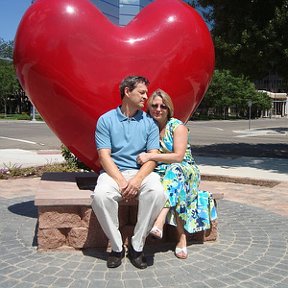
162, 106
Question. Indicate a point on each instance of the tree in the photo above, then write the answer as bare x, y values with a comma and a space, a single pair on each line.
8, 82
6, 49
9, 85
250, 36
227, 91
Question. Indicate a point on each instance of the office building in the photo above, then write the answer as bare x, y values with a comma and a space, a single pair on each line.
121, 12
110, 8
130, 8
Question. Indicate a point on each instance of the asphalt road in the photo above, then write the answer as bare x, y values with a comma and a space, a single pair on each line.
27, 135
266, 138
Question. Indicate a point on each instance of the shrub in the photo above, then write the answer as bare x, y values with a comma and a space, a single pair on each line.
72, 161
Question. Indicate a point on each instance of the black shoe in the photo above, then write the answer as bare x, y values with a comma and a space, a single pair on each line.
137, 258
115, 259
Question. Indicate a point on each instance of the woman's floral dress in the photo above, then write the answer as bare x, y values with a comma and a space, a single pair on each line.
181, 183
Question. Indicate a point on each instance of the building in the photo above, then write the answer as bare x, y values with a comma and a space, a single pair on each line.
121, 12
276, 89
110, 8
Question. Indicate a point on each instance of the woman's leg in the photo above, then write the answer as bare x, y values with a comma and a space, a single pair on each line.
181, 246
157, 229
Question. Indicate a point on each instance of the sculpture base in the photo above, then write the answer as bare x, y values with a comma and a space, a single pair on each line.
67, 221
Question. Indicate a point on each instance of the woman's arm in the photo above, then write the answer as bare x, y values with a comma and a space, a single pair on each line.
180, 138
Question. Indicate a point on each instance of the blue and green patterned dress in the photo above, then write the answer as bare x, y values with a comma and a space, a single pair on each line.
181, 183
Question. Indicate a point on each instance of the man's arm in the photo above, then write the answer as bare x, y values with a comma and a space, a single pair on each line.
146, 168
111, 168
134, 184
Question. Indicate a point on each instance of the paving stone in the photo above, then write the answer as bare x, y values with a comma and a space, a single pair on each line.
250, 284
97, 275
250, 252
101, 284
19, 274
115, 284
46, 280
215, 283
23, 285
63, 282
132, 283
150, 282
9, 283
50, 271
130, 275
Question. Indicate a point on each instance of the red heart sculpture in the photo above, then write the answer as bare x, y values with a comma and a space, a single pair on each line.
70, 59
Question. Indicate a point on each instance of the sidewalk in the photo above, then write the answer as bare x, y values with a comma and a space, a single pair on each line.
29, 158
251, 250
262, 168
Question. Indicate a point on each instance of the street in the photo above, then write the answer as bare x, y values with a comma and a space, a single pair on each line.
266, 138
27, 135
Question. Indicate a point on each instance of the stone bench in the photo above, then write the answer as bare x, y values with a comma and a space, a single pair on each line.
67, 221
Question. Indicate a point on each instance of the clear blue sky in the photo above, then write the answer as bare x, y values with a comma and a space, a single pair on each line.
11, 12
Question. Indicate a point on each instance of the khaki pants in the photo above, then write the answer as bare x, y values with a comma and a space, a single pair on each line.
105, 206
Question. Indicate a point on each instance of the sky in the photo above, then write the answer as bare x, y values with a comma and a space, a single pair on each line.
11, 12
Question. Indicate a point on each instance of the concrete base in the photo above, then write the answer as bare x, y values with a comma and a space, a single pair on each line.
67, 221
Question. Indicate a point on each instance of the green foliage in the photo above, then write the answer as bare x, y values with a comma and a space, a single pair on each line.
227, 90
250, 36
15, 171
6, 49
8, 79
71, 160
72, 164
23, 116
12, 96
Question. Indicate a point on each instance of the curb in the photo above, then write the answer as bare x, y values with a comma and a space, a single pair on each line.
240, 180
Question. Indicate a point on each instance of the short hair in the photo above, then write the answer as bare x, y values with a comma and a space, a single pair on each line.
131, 82
166, 100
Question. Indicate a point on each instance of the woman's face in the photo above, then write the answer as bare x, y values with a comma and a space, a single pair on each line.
158, 110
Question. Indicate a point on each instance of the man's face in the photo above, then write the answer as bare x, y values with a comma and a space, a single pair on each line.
138, 95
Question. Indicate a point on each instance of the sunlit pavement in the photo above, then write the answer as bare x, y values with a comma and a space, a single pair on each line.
251, 250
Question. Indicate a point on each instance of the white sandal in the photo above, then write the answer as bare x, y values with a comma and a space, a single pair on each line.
181, 253
156, 232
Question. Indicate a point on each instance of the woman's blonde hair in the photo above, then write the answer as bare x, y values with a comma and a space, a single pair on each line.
166, 100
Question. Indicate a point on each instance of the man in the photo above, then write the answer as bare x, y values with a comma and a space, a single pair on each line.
121, 135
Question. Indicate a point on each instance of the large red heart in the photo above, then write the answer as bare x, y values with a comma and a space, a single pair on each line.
70, 59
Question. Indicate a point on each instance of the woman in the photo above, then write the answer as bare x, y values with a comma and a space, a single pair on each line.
187, 207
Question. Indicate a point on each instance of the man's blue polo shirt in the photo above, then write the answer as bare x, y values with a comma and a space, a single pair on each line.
126, 137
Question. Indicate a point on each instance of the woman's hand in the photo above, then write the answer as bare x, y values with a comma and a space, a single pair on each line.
143, 158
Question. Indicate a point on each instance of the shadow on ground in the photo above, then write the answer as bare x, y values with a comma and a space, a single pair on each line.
228, 154
26, 209
242, 149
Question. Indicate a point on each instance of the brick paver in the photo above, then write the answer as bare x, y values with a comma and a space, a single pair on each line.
251, 250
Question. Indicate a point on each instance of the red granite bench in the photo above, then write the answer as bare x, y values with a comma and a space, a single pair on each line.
66, 219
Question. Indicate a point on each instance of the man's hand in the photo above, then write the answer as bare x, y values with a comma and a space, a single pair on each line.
132, 188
